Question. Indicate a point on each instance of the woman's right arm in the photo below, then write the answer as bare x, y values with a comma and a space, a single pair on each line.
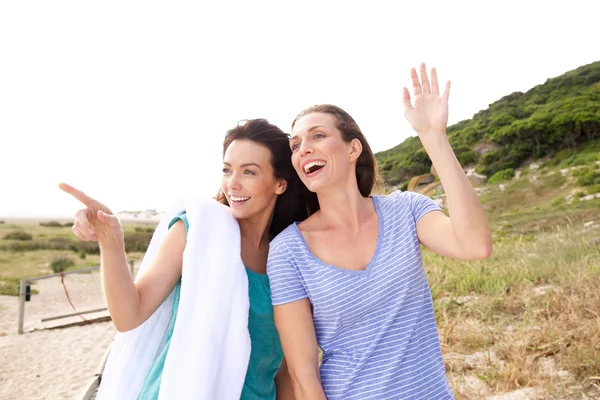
129, 303
296, 330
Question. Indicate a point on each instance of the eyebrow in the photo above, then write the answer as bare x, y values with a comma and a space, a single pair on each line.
244, 165
312, 128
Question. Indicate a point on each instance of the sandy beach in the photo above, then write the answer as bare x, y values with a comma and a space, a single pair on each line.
57, 363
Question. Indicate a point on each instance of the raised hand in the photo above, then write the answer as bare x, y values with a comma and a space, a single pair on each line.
428, 113
96, 222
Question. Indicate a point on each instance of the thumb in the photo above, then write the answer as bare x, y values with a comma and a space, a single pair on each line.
108, 219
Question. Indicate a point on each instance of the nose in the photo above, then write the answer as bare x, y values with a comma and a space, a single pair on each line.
305, 148
234, 182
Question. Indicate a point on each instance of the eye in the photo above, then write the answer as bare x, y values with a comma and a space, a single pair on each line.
319, 135
248, 172
295, 146
225, 170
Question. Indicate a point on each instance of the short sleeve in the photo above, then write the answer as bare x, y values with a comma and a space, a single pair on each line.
183, 217
285, 280
419, 204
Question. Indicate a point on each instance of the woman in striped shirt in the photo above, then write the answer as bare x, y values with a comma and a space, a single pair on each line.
350, 278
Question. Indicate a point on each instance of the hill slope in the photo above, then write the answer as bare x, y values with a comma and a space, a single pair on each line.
561, 114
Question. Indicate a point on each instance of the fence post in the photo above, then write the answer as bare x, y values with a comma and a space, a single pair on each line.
130, 262
22, 289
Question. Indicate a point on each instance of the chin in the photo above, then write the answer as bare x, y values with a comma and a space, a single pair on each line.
238, 214
314, 186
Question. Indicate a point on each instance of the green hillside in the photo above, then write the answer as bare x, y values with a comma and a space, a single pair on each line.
560, 118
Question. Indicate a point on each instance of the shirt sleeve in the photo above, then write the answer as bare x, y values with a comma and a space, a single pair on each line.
285, 280
419, 205
183, 217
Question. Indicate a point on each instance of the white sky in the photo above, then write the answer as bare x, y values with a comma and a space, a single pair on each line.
129, 101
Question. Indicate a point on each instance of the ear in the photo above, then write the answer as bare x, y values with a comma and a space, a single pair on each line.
355, 149
281, 186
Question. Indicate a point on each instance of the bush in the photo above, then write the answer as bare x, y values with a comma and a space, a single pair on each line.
68, 224
54, 243
142, 229
593, 189
60, 264
1, 222
504, 175
137, 241
553, 181
10, 288
587, 177
51, 224
18, 235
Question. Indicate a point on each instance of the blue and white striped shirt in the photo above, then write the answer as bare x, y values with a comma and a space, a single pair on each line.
376, 326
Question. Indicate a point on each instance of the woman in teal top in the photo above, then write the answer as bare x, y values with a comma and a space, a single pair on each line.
265, 353
265, 195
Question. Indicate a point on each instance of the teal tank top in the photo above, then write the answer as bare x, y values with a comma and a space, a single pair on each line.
266, 354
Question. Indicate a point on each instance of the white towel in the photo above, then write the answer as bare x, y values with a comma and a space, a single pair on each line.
210, 347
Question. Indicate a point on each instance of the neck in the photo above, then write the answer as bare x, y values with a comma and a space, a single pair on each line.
344, 206
255, 232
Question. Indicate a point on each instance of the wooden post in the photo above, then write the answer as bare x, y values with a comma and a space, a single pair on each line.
22, 289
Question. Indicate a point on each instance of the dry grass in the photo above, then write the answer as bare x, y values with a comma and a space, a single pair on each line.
529, 316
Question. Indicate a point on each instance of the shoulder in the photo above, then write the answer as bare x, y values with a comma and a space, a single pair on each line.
287, 237
411, 204
407, 198
181, 216
394, 200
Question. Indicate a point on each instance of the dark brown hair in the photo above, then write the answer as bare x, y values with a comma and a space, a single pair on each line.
295, 203
367, 173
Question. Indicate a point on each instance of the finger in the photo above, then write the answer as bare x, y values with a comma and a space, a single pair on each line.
78, 233
435, 88
415, 81
78, 194
425, 80
406, 100
446, 94
108, 219
82, 221
86, 230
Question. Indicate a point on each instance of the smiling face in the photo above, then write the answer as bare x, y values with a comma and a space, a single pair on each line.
322, 159
248, 182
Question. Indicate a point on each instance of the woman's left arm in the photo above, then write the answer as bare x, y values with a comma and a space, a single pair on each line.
283, 383
465, 235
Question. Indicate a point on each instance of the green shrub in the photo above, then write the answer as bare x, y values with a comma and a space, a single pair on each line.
18, 235
593, 189
500, 176
137, 241
587, 177
553, 181
60, 264
51, 224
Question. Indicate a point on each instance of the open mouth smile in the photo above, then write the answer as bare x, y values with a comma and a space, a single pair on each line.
312, 168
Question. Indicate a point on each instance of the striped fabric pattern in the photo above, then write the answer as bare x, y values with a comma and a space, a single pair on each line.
376, 326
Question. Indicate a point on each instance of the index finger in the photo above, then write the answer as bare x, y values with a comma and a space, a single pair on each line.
78, 194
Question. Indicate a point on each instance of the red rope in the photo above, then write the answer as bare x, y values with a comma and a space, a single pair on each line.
62, 280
